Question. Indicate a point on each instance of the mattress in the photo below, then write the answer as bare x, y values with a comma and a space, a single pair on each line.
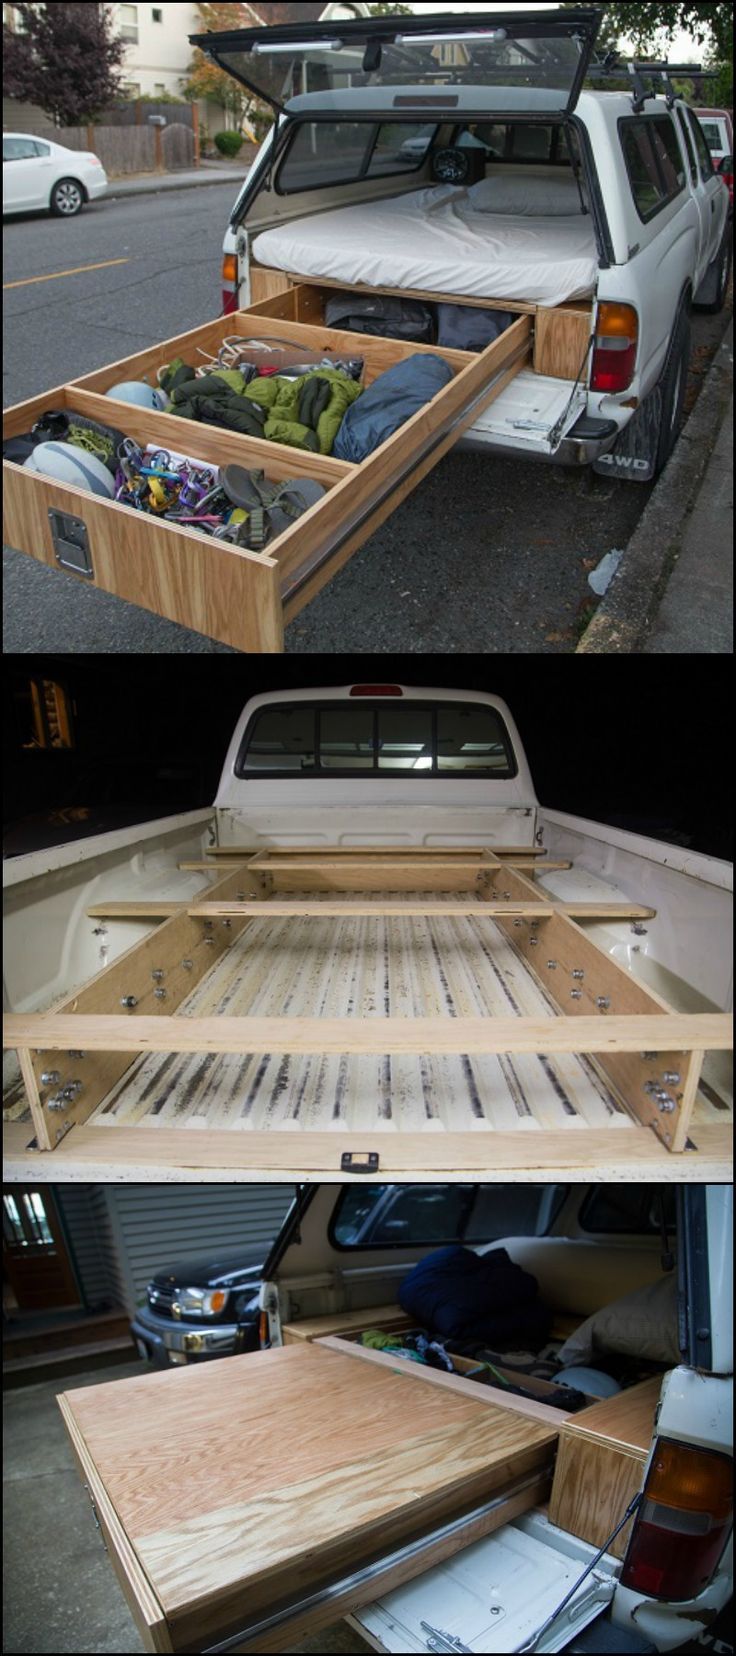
438, 240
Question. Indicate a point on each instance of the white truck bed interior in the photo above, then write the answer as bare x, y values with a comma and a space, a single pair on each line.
439, 240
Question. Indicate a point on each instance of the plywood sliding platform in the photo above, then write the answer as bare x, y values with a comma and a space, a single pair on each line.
410, 1010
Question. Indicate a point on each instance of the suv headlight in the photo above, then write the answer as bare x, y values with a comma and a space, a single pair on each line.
199, 1302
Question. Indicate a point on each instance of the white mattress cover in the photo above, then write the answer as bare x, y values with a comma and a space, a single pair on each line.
435, 240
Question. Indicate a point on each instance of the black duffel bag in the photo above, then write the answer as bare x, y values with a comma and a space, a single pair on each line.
382, 314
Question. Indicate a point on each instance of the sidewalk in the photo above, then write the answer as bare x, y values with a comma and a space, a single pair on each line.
696, 612
208, 172
673, 592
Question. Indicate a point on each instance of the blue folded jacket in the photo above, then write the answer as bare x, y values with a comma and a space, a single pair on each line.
458, 1294
388, 402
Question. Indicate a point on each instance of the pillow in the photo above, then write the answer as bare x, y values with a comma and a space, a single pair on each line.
532, 196
641, 1324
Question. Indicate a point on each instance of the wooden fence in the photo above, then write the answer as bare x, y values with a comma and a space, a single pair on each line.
131, 149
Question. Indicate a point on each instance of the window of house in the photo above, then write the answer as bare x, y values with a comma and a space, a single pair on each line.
128, 23
705, 160
43, 713
157, 15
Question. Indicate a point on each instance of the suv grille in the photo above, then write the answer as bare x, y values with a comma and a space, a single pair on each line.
160, 1299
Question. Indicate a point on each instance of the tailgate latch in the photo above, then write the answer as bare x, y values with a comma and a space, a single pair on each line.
71, 545
359, 1161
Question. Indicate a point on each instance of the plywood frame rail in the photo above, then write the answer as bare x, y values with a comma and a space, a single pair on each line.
153, 976
131, 909
658, 1089
412, 907
111, 1032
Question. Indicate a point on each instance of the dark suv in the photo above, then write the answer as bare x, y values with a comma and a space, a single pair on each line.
200, 1308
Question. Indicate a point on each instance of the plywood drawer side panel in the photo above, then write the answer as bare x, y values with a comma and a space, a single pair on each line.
220, 591
592, 1487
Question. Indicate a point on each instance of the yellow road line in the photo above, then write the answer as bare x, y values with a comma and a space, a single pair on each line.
75, 272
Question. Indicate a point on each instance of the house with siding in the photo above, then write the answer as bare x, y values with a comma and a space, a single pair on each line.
93, 1247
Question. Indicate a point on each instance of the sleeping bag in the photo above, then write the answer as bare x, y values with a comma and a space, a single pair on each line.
467, 328
388, 402
457, 1294
304, 412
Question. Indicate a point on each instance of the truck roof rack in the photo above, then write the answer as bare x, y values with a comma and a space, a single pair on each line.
640, 71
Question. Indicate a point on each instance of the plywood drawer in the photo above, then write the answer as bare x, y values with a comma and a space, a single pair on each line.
243, 1489
601, 1462
242, 598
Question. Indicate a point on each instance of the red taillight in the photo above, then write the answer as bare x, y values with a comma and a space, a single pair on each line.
683, 1522
263, 1339
376, 690
614, 347
229, 283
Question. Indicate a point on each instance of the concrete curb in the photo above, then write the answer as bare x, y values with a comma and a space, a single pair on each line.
626, 612
169, 181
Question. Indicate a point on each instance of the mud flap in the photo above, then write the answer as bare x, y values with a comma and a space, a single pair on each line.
634, 453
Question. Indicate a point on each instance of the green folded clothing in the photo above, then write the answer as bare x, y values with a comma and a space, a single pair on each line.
305, 413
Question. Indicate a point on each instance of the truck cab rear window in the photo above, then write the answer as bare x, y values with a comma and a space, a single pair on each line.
654, 162
405, 1216
341, 152
395, 738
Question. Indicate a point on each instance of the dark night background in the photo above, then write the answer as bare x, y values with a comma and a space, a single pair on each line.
636, 743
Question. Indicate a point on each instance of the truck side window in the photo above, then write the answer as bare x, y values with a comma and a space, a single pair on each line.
341, 152
705, 159
653, 162
668, 153
687, 140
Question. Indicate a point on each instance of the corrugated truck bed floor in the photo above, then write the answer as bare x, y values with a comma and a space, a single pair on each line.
366, 967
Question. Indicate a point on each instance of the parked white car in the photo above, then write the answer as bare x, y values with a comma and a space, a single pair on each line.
39, 174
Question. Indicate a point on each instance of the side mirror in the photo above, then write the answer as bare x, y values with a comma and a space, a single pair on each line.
725, 165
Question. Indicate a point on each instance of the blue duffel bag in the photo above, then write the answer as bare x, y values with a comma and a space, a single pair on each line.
387, 403
458, 1294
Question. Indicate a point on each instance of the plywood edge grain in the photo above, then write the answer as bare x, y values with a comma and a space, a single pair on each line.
106, 1152
554, 1418
142, 1600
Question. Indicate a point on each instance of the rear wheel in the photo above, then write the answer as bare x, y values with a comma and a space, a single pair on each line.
717, 278
67, 198
672, 390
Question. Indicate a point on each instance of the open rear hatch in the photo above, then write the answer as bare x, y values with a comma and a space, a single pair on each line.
536, 60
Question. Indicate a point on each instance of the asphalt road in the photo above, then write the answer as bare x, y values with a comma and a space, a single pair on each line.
488, 555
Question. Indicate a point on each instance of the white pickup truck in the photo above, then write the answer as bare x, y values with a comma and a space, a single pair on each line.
467, 161
375, 955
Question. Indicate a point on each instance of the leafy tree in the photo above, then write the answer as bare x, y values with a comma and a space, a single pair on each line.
389, 11
651, 26
205, 79
64, 59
